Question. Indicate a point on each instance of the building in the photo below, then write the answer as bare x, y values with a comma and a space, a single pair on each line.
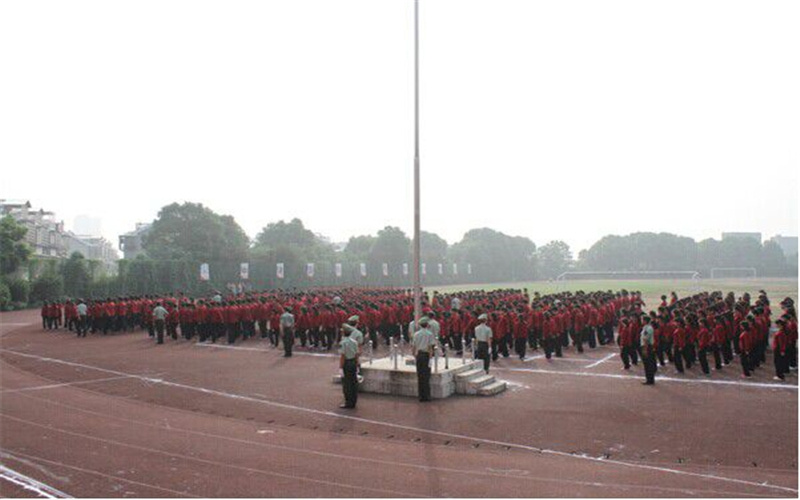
755, 236
45, 234
131, 243
93, 248
787, 243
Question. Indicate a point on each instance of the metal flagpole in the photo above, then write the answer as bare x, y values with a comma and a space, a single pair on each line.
417, 285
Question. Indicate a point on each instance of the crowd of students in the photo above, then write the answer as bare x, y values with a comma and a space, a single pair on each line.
687, 331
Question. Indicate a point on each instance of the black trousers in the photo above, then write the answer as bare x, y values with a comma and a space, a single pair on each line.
159, 331
678, 358
424, 375
520, 345
781, 365
350, 383
482, 352
717, 356
702, 356
649, 361
288, 341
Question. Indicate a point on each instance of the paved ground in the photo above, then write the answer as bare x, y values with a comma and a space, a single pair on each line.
119, 416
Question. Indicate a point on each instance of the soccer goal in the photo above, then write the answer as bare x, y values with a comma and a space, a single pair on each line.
631, 275
733, 272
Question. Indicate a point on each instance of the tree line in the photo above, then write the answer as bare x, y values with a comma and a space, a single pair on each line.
185, 235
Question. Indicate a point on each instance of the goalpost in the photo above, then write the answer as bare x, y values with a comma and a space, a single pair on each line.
733, 272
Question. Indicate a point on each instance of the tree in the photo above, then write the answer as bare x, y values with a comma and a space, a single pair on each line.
433, 248
77, 278
193, 232
391, 246
359, 248
14, 252
48, 286
495, 256
292, 239
553, 259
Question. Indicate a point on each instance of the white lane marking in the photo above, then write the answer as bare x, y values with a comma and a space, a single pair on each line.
36, 466
489, 472
241, 348
761, 385
204, 461
65, 384
30, 483
601, 361
96, 473
277, 404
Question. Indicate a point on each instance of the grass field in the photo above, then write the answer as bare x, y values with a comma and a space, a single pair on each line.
776, 288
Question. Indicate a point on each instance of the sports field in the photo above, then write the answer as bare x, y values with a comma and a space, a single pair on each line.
652, 290
120, 416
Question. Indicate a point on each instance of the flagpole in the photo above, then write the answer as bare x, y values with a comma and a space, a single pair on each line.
417, 284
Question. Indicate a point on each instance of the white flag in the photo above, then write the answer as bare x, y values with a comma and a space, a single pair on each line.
441, 268
405, 268
385, 269
455, 268
244, 271
469, 268
205, 274
424, 268
310, 269
279, 270
363, 269
337, 269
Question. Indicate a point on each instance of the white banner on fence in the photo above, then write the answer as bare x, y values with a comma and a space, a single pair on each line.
469, 268
244, 271
363, 268
424, 268
441, 268
205, 274
279, 270
337, 268
405, 268
310, 269
455, 268
385, 269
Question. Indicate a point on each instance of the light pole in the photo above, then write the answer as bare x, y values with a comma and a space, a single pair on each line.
417, 284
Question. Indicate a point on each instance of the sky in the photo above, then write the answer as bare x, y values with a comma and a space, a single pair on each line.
548, 119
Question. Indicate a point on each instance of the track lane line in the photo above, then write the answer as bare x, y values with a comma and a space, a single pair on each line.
63, 384
417, 429
357, 458
97, 473
215, 463
30, 484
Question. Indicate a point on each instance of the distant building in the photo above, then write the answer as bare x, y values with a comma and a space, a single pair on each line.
755, 236
131, 243
787, 243
93, 248
87, 225
45, 234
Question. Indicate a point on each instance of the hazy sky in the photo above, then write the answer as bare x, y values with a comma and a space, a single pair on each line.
549, 119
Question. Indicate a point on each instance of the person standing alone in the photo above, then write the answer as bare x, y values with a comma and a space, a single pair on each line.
647, 339
423, 343
348, 363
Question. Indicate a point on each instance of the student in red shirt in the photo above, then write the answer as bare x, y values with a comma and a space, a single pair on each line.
779, 345
679, 342
718, 339
745, 347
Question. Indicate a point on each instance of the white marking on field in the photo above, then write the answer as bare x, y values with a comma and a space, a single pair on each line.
361, 458
30, 484
258, 349
65, 384
601, 361
761, 385
328, 413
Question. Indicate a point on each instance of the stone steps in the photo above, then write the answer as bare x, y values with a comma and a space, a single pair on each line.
492, 389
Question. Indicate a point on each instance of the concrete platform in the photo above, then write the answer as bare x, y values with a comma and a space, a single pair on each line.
453, 377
